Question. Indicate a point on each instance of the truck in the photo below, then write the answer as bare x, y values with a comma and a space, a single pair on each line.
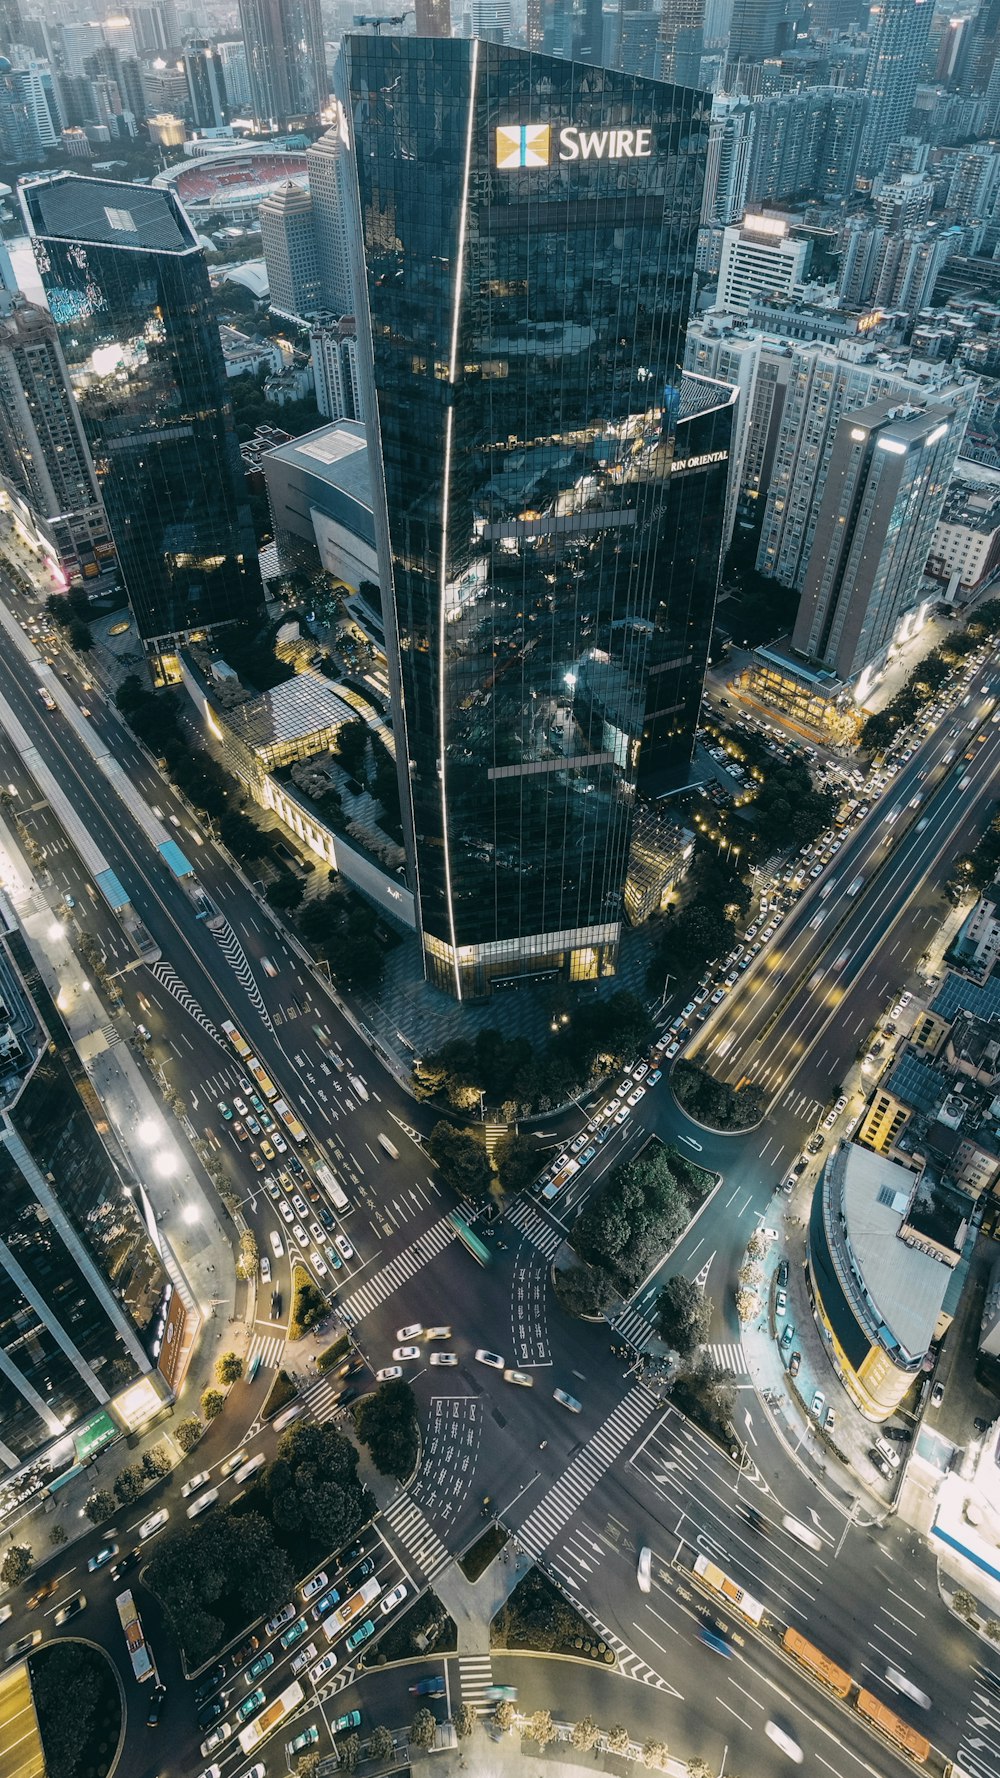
365, 1596
290, 1121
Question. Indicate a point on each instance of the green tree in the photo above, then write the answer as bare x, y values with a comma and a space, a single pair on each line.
464, 1719
351, 744
312, 1487
684, 1314
309, 1306
462, 1159
57, 1537
67, 1694
80, 636
212, 1403
100, 1506
16, 1565
349, 1750
188, 1432
128, 1484
585, 1290
517, 1161
387, 1423
155, 1463
285, 892
307, 1765
228, 1368
249, 1255
585, 1734
243, 837
504, 1715
423, 1728
540, 1728
381, 1745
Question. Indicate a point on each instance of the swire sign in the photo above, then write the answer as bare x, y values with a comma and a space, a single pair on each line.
530, 145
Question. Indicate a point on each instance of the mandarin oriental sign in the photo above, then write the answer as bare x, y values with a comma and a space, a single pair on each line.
529, 145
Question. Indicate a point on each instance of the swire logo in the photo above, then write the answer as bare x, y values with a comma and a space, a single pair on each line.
523, 145
529, 145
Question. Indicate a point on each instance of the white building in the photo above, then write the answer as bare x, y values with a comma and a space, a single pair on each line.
966, 547
760, 258
334, 352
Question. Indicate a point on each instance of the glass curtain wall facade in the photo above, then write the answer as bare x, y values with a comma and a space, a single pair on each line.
128, 288
528, 230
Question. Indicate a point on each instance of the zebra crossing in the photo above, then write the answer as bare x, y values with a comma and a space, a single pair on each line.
111, 1034
268, 1348
236, 957
321, 1397
631, 1323
585, 1471
475, 1677
543, 1236
418, 1538
492, 1134
169, 979
729, 1356
368, 1296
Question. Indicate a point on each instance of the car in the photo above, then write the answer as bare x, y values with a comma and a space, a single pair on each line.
830, 1421
259, 1667
405, 1353
815, 1143
211, 1681
323, 1667
277, 1245
45, 1591
392, 1599
250, 1706
360, 1635
154, 1709
286, 1212
654, 1077
714, 1641
578, 1142
496, 1693
901, 1683
280, 1618
256, 1161
589, 1153
672, 1048
492, 1359
787, 1337
214, 1771
782, 1273
300, 1234
431, 1687
622, 1115
69, 899
781, 1303
216, 1738
15, 1650
633, 1098
413, 1331
294, 1633
153, 1524
252, 1125
644, 1569
279, 1141
717, 996
521, 1378
351, 1719
109, 1551
343, 1246
903, 1435
937, 1395
72, 1608
238, 1131
276, 1305
818, 1403
567, 1401
267, 1148
327, 1603
641, 1070
314, 1586
244, 1653
319, 1266
449, 1359
980, 1425
224, 1110
308, 1738
390, 1372
787, 1743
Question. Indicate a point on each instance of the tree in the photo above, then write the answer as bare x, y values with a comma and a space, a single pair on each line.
464, 1719
307, 1765
249, 1255
352, 745
57, 1537
188, 1433
423, 1728
516, 1160
961, 1601
654, 1755
155, 1463
128, 1484
462, 1159
381, 1745
700, 1768
585, 1290
387, 1423
746, 1305
504, 1715
585, 1734
312, 1486
684, 1315
285, 892
349, 1749
619, 1739
310, 1305
212, 1403
80, 636
100, 1506
228, 1367
540, 1728
17, 1565
67, 1697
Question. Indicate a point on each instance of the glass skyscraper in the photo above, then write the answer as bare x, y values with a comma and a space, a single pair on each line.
128, 288
528, 231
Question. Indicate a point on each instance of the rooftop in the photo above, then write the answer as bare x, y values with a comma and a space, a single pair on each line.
918, 1083
959, 995
337, 454
299, 707
108, 212
905, 1287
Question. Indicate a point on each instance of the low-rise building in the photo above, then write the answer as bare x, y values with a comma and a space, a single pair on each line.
965, 550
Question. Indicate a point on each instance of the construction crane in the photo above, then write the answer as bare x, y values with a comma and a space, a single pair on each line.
362, 19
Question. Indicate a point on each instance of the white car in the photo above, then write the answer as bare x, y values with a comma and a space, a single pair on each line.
219, 1734
643, 1068
633, 1098
343, 1246
279, 1141
406, 1352
493, 1359
901, 1684
392, 1599
153, 1524
285, 1211
319, 1266
302, 1660
323, 1667
314, 1586
784, 1741
196, 1482
521, 1378
300, 1234
265, 1269
413, 1331
388, 1373
567, 1401
444, 1358
277, 1245
644, 1570
433, 1333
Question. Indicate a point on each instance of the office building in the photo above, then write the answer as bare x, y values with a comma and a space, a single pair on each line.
636, 38
897, 45
889, 469
760, 257
754, 26
286, 60
681, 41
11, 26
155, 28
83, 1286
518, 339
208, 104
289, 247
325, 164
128, 288
43, 451
433, 18
26, 127
235, 75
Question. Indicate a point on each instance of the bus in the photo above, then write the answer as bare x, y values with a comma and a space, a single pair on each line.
713, 1577
470, 1242
237, 1039
290, 1121
365, 1595
271, 1718
263, 1079
916, 1745
818, 1664
327, 1179
139, 1655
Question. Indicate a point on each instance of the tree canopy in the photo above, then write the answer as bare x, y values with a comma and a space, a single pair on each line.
387, 1423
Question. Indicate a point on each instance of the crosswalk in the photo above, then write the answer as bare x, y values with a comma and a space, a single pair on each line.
418, 1538
585, 1471
543, 1236
728, 1356
632, 1325
268, 1348
236, 957
321, 1397
475, 1677
492, 1134
368, 1296
977, 1749
111, 1034
169, 979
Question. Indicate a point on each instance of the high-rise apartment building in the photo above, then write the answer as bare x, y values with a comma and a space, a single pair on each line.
528, 235
289, 247
43, 451
206, 84
334, 354
128, 288
286, 60
889, 469
325, 164
681, 41
730, 142
235, 74
760, 257
897, 44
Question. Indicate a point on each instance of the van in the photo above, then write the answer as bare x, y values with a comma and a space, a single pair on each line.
390, 1147
887, 1453
202, 1503
295, 1412
246, 1470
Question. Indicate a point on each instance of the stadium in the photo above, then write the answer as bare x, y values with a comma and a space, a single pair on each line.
231, 185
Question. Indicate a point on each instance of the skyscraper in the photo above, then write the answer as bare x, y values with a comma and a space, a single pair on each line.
289, 247
681, 41
753, 29
528, 230
286, 59
128, 287
433, 18
325, 164
897, 42
206, 85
